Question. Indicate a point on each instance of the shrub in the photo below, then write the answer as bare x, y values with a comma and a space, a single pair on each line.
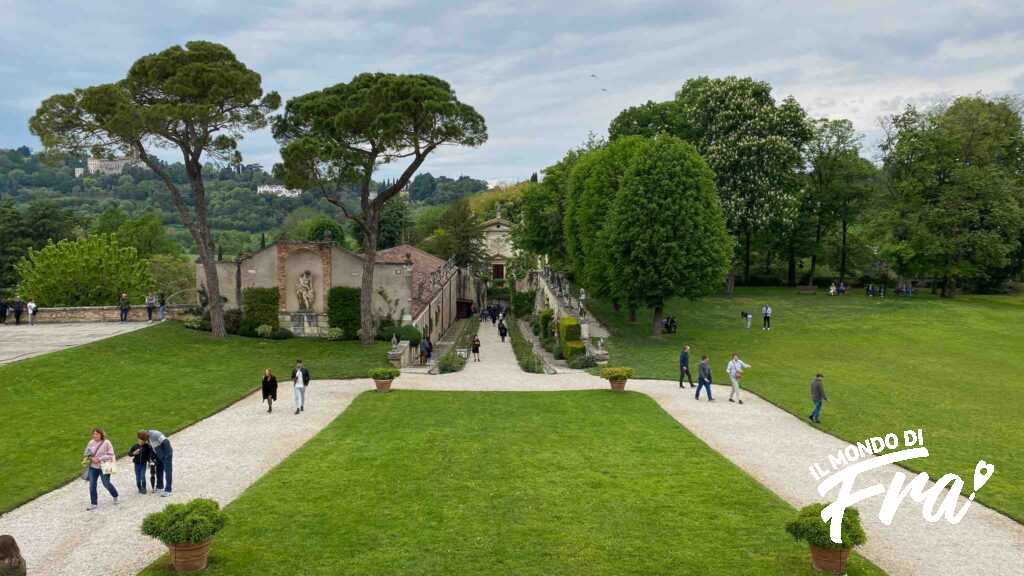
535, 326
451, 363
335, 334
388, 373
569, 329
194, 323
498, 293
232, 320
191, 523
556, 349
573, 348
610, 373
259, 306
528, 361
343, 310
281, 334
548, 343
522, 303
406, 332
582, 361
265, 330
809, 527
545, 317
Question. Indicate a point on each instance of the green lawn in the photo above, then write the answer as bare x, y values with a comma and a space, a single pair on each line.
952, 367
545, 483
163, 377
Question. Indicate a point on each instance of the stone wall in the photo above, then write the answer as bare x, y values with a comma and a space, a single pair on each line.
102, 314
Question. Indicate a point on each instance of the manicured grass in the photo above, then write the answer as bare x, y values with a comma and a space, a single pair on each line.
547, 483
952, 367
164, 377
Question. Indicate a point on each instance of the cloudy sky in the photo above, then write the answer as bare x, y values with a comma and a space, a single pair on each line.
527, 66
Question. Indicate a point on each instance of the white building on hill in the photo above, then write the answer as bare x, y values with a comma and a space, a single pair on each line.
111, 167
277, 190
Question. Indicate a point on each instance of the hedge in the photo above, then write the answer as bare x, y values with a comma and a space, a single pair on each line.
545, 317
573, 348
569, 329
259, 307
522, 303
343, 310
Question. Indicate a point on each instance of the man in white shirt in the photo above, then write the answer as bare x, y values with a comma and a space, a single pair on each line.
735, 371
766, 312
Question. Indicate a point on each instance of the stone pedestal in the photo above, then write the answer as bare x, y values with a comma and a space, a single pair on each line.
399, 355
304, 324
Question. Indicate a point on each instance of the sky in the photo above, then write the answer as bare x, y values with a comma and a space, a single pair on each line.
543, 74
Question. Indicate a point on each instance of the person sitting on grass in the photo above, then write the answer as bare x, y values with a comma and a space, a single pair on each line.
142, 454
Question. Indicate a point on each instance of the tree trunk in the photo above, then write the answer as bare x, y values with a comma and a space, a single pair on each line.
791, 275
814, 255
215, 306
656, 326
616, 305
730, 282
632, 314
842, 257
767, 262
746, 258
366, 323
200, 229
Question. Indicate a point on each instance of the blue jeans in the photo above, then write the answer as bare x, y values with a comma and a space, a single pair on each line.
816, 415
164, 465
705, 385
140, 476
97, 474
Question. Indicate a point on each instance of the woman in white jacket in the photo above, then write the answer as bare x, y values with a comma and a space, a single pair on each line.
735, 371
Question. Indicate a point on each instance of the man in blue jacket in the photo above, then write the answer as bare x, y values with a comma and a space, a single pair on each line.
684, 367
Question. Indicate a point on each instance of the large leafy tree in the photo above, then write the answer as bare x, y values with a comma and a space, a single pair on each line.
752, 143
340, 135
91, 271
22, 230
956, 183
460, 235
197, 99
667, 234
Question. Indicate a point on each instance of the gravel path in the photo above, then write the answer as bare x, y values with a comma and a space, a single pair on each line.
58, 537
24, 341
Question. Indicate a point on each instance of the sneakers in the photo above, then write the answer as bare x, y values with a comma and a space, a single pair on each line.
165, 494
115, 500
91, 507
731, 400
296, 410
740, 401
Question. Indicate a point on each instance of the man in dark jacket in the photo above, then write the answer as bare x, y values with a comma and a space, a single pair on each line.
141, 454
17, 307
817, 396
300, 380
704, 378
124, 307
684, 367
3, 311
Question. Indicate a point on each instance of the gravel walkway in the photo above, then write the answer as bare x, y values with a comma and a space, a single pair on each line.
58, 537
24, 341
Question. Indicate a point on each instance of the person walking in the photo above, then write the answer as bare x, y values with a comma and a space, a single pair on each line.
502, 331
100, 456
476, 348
269, 388
161, 298
747, 317
300, 380
11, 561
704, 378
18, 307
684, 366
766, 315
150, 306
142, 454
3, 311
817, 397
164, 454
735, 371
124, 306
32, 309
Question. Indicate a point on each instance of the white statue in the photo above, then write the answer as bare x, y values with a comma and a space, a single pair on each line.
305, 292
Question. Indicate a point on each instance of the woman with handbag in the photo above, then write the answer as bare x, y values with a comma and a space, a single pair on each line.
269, 389
102, 461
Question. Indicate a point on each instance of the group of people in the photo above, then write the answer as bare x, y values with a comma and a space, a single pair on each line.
153, 303
152, 452
495, 312
18, 308
766, 317
300, 387
837, 289
669, 325
734, 369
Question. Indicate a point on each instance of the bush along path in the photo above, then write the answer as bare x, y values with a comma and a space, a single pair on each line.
57, 536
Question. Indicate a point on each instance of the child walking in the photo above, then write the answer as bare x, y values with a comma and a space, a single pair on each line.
476, 348
142, 455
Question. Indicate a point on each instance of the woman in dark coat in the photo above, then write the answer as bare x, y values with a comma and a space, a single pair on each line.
11, 562
269, 389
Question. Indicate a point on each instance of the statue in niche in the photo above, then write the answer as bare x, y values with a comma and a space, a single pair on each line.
305, 292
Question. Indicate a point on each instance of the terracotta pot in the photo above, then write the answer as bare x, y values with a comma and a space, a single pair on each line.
831, 560
190, 557
618, 385
382, 385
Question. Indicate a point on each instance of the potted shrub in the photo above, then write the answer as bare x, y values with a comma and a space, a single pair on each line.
617, 377
382, 377
826, 555
187, 530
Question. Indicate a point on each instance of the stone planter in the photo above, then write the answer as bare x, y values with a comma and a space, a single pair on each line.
383, 385
189, 557
618, 385
831, 560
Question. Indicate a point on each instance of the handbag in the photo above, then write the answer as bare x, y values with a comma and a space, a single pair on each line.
109, 467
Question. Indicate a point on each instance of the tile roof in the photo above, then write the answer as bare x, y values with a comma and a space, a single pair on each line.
422, 266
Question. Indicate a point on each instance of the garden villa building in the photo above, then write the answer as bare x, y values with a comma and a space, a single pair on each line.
498, 243
410, 285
